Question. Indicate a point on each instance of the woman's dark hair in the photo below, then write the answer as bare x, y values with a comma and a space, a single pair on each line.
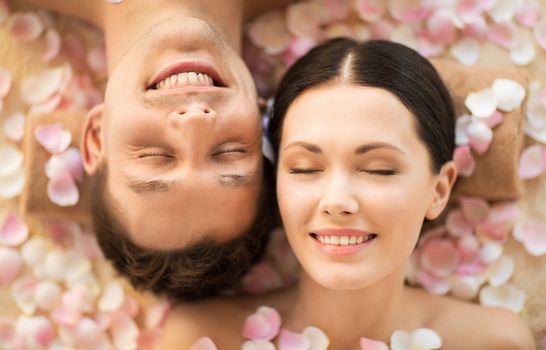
201, 270
382, 64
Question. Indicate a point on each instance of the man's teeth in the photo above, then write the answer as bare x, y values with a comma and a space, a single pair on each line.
185, 79
344, 240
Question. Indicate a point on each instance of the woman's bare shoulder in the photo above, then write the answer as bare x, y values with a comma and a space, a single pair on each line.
464, 325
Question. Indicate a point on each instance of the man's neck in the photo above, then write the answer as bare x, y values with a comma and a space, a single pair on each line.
124, 23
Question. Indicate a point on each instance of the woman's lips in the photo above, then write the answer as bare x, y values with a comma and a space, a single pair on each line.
187, 67
339, 242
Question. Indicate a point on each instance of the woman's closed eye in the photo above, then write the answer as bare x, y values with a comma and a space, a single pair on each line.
303, 171
381, 172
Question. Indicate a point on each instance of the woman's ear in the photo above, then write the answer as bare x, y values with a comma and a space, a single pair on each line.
444, 183
92, 144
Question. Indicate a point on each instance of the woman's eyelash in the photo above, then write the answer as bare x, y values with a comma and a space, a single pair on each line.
302, 171
383, 172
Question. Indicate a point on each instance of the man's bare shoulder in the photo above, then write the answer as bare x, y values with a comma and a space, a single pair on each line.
221, 319
464, 325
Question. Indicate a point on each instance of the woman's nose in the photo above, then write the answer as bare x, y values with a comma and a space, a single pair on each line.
339, 198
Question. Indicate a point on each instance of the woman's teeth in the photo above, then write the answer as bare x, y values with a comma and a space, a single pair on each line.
344, 240
185, 79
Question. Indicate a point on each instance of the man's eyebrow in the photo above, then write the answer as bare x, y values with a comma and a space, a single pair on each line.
149, 186
237, 180
376, 145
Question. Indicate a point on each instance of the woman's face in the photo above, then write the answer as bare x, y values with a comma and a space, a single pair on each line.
354, 184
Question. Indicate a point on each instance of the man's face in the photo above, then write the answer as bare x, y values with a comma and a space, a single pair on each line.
181, 138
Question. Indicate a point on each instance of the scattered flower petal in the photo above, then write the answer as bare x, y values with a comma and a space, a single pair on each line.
22, 292
304, 19
503, 34
531, 162
466, 287
500, 271
523, 51
540, 32
258, 345
464, 161
490, 252
112, 298
527, 13
39, 88
5, 82
53, 44
62, 190
25, 26
261, 278
481, 103
533, 236
96, 60
440, 27
466, 51
47, 295
370, 10
53, 137
432, 284
13, 231
371, 344
12, 264
14, 126
11, 186
156, 314
439, 257
268, 31
293, 341
506, 296
204, 343
494, 119
476, 210
421, 338
509, 94
457, 224
12, 160
7, 331
70, 161
503, 10
317, 338
262, 325
124, 332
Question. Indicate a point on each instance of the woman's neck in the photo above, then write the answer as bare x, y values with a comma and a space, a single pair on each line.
345, 316
124, 23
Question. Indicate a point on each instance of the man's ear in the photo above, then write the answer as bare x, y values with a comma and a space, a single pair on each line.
442, 190
92, 145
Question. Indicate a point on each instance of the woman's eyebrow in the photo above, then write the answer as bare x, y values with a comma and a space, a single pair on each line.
376, 145
308, 146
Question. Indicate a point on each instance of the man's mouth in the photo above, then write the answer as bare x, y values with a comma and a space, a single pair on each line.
185, 79
182, 74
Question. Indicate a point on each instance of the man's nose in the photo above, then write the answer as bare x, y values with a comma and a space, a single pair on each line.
194, 110
339, 198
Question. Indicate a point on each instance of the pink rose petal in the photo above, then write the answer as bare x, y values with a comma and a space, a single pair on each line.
471, 269
479, 136
25, 26
12, 265
481, 103
439, 257
468, 248
148, 339
527, 13
73, 49
268, 31
296, 49
462, 123
304, 19
125, 331
96, 60
531, 162
503, 34
464, 161
370, 10
500, 271
62, 190
465, 287
523, 51
293, 341
69, 161
48, 295
204, 343
495, 231
7, 332
477, 30
12, 160
337, 10
262, 325
317, 338
53, 44
440, 27
504, 212
14, 126
112, 297
5, 82
47, 106
371, 344
69, 313
506, 296
407, 11
40, 330
13, 231
433, 284
540, 32
466, 51
53, 137
157, 314
257, 345
22, 292
261, 278
457, 224
533, 236
503, 10
381, 29
475, 209
494, 119
39, 88
469, 10
130, 306
490, 252
11, 186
